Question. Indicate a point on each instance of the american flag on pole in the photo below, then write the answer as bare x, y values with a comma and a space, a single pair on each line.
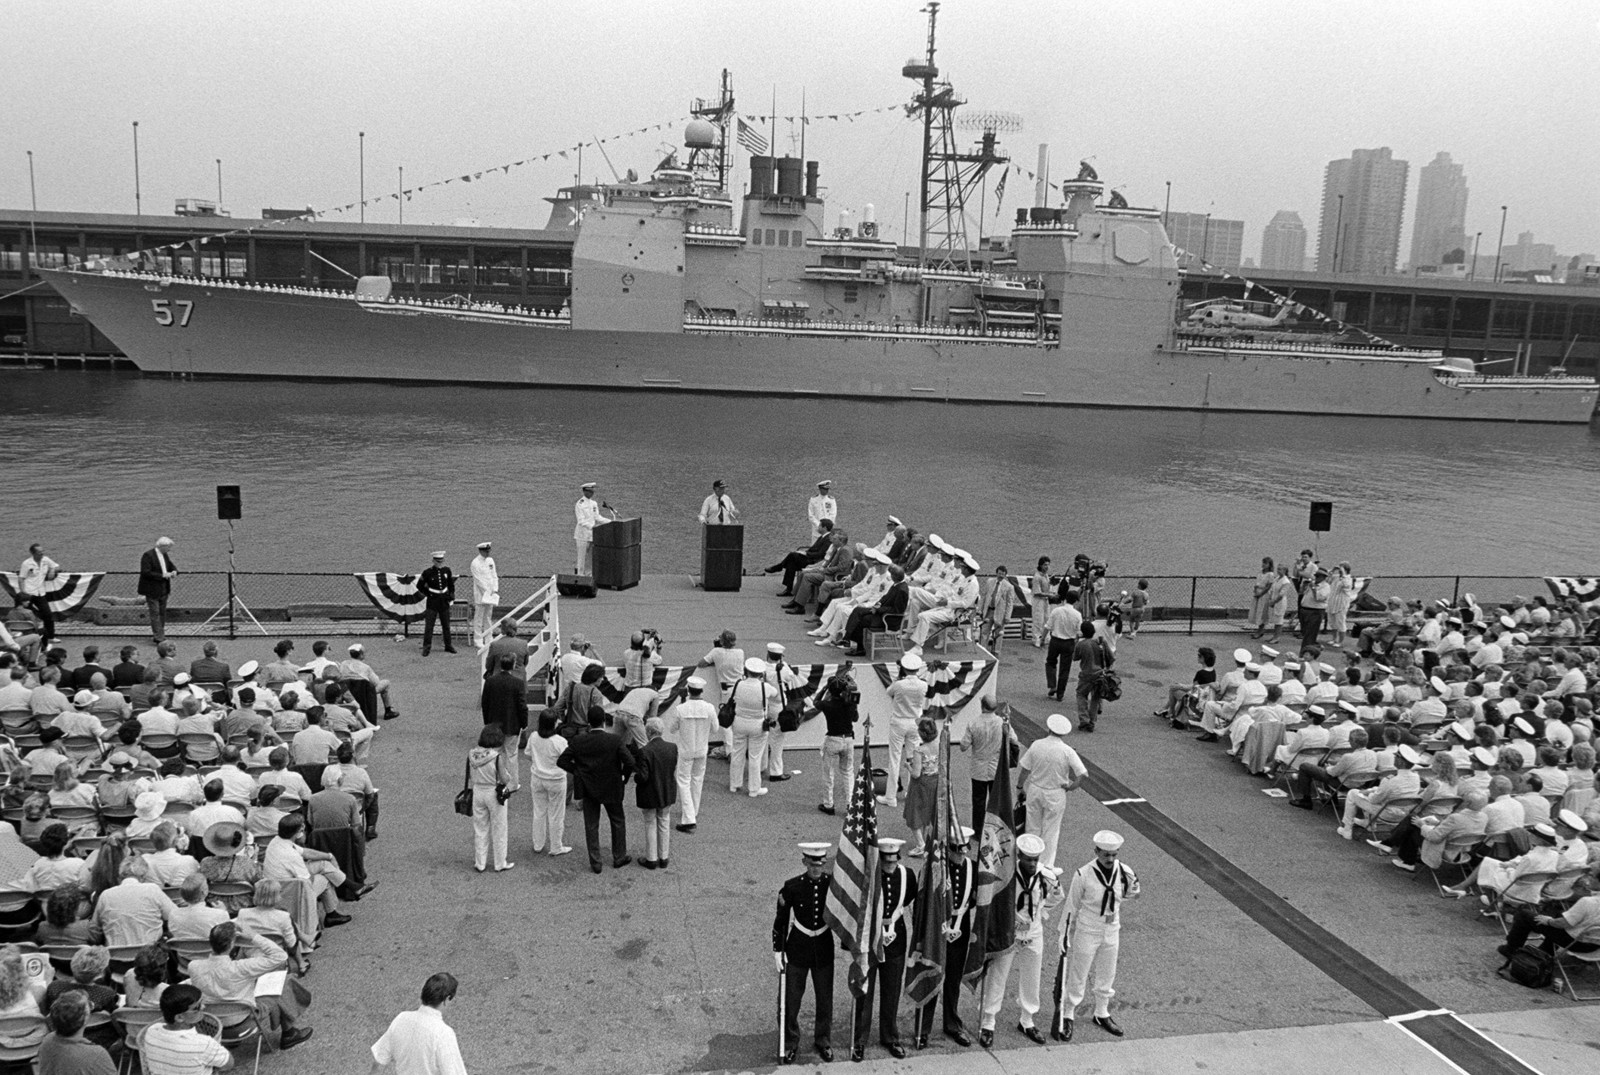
1000, 192
853, 892
752, 139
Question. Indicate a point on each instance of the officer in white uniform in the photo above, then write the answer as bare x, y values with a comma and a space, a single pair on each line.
1038, 895
822, 506
485, 593
587, 510
782, 676
1090, 939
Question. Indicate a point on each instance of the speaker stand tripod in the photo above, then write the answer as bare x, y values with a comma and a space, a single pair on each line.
235, 604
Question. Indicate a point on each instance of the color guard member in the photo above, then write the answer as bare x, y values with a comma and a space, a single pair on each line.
802, 946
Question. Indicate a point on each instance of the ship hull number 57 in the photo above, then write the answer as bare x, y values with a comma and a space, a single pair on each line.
171, 312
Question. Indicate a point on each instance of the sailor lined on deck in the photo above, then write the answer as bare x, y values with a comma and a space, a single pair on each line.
1038, 895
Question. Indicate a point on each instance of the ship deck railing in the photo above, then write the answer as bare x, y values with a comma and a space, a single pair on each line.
1194, 342
901, 329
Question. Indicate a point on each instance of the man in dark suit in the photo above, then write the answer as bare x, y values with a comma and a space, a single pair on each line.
891, 607
655, 790
602, 764
505, 703
210, 670
128, 671
84, 673
156, 570
797, 561
508, 644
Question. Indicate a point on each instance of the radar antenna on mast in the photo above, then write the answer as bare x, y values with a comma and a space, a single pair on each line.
949, 176
710, 163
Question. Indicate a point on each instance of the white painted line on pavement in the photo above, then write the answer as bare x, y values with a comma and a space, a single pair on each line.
1119, 802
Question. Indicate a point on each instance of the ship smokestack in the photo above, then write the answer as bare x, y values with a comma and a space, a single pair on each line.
1041, 189
790, 181
760, 176
811, 179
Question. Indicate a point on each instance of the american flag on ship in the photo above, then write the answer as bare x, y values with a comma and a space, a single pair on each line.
752, 139
853, 892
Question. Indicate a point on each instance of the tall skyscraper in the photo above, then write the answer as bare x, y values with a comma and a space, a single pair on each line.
1283, 242
1440, 226
1363, 203
1219, 242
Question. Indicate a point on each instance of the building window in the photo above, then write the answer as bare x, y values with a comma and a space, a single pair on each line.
755, 236
1510, 319
796, 239
772, 240
851, 293
783, 238
1549, 320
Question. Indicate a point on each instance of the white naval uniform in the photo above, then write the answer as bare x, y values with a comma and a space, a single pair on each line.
822, 506
691, 721
588, 514
1036, 898
1091, 937
485, 596
961, 596
787, 681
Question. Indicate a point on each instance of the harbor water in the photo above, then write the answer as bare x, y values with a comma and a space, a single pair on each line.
345, 477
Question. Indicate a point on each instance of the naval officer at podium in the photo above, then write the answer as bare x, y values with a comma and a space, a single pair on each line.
588, 512
717, 509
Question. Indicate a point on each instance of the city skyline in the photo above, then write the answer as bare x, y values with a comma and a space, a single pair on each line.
1441, 215
490, 83
1363, 211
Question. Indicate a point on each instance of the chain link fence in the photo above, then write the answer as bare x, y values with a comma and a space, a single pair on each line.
334, 603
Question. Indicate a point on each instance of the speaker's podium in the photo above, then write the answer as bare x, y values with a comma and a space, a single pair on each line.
616, 554
721, 556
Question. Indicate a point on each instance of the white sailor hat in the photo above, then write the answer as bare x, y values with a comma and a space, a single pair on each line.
356, 647
1031, 845
1454, 621
1251, 666
875, 556
695, 683
1464, 729
1383, 668
937, 542
1324, 668
815, 849
1316, 710
1346, 706
484, 544
1267, 652
587, 485
1571, 820
438, 554
888, 845
248, 669
910, 662
777, 648
824, 483
1438, 684
1106, 840
1241, 656
1507, 621
1484, 757
83, 698
895, 521
1523, 725
755, 665
1545, 829
1058, 724
966, 834
968, 559
1291, 665
1409, 753
182, 679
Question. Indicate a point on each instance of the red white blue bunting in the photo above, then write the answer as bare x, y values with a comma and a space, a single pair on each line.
66, 593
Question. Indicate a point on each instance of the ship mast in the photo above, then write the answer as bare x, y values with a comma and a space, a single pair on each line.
948, 175
719, 113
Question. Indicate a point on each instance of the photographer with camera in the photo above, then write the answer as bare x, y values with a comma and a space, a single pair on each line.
840, 702
1087, 577
641, 658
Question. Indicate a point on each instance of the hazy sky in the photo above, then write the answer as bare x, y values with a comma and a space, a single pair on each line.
1239, 104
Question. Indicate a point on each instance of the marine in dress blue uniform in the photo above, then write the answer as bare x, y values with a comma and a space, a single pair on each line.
962, 871
897, 896
438, 586
802, 947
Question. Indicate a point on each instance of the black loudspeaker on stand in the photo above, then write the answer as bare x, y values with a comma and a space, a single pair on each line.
230, 504
1321, 516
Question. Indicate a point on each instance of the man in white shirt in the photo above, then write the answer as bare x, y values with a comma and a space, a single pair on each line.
587, 513
356, 667
485, 593
37, 571
822, 506
717, 509
691, 721
287, 859
1217, 715
1047, 770
420, 1042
